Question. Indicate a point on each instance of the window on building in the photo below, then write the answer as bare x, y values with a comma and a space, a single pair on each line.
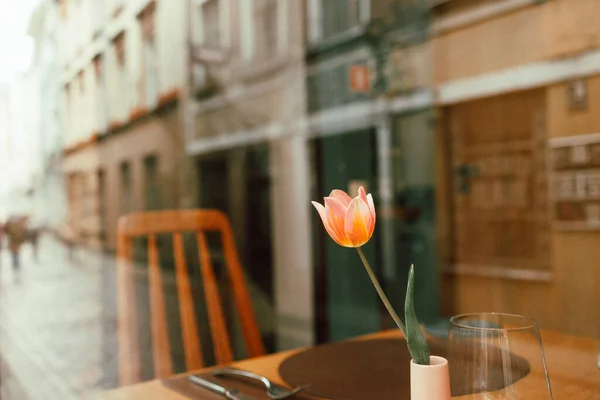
119, 49
247, 29
100, 106
153, 199
126, 189
88, 195
267, 13
76, 197
149, 83
81, 107
66, 115
119, 46
67, 93
210, 22
101, 201
339, 16
72, 194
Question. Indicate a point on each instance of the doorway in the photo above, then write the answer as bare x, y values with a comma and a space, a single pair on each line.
346, 303
238, 182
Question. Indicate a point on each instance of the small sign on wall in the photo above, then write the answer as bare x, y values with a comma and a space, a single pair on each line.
360, 78
577, 94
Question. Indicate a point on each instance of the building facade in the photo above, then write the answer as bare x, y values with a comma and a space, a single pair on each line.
518, 231
369, 116
122, 73
22, 166
246, 98
256, 107
49, 187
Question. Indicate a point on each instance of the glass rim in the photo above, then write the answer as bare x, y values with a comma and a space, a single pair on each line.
528, 322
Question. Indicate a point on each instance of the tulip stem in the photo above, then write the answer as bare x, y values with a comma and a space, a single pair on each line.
380, 291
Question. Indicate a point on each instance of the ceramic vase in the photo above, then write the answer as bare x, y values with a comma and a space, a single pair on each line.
430, 382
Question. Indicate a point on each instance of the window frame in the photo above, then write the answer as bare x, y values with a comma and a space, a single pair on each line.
147, 22
316, 20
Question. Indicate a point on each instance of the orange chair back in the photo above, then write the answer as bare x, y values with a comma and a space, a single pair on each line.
176, 222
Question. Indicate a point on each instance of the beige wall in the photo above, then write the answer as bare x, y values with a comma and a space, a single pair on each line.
571, 26
157, 135
576, 254
532, 33
83, 223
555, 29
507, 41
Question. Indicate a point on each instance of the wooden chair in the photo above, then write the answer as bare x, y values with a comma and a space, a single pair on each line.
149, 224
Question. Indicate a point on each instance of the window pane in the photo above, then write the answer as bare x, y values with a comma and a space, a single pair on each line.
211, 22
158, 160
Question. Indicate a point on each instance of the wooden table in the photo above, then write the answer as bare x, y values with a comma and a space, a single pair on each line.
571, 360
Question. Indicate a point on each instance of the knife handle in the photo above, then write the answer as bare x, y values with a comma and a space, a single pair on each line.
216, 388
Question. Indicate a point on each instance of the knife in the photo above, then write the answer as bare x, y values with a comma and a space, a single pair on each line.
231, 394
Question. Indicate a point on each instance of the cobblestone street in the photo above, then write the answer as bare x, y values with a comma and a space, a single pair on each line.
51, 325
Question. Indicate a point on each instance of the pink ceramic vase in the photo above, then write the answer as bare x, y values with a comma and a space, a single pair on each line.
430, 382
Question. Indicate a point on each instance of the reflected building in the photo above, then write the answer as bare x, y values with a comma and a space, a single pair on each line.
255, 107
123, 71
49, 189
370, 124
21, 165
5, 140
247, 97
517, 128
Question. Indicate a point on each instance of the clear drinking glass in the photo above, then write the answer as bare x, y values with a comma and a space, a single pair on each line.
497, 356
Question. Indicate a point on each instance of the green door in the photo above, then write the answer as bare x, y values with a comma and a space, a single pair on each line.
351, 303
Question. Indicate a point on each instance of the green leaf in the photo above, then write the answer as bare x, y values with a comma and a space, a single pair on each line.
417, 345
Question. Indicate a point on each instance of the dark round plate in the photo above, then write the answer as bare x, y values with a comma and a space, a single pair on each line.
366, 369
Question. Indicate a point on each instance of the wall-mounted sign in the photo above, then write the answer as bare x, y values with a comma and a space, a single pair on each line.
577, 93
360, 78
576, 182
408, 68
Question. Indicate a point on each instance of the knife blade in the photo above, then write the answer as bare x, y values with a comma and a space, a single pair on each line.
231, 394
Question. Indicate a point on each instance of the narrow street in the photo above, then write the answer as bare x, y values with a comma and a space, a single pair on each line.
51, 325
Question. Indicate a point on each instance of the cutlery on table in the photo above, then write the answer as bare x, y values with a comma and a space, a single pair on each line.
230, 394
274, 391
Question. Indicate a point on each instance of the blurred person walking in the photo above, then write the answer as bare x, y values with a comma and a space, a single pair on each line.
68, 236
16, 232
1, 238
33, 235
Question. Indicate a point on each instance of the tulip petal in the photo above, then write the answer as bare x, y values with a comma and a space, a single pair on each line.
358, 223
323, 215
342, 196
362, 194
336, 215
371, 205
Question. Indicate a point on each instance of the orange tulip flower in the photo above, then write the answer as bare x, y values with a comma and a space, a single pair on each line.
349, 221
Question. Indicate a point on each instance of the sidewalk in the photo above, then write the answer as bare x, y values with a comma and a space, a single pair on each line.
51, 322
58, 324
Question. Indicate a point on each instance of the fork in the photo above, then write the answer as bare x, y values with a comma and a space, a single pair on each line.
274, 391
